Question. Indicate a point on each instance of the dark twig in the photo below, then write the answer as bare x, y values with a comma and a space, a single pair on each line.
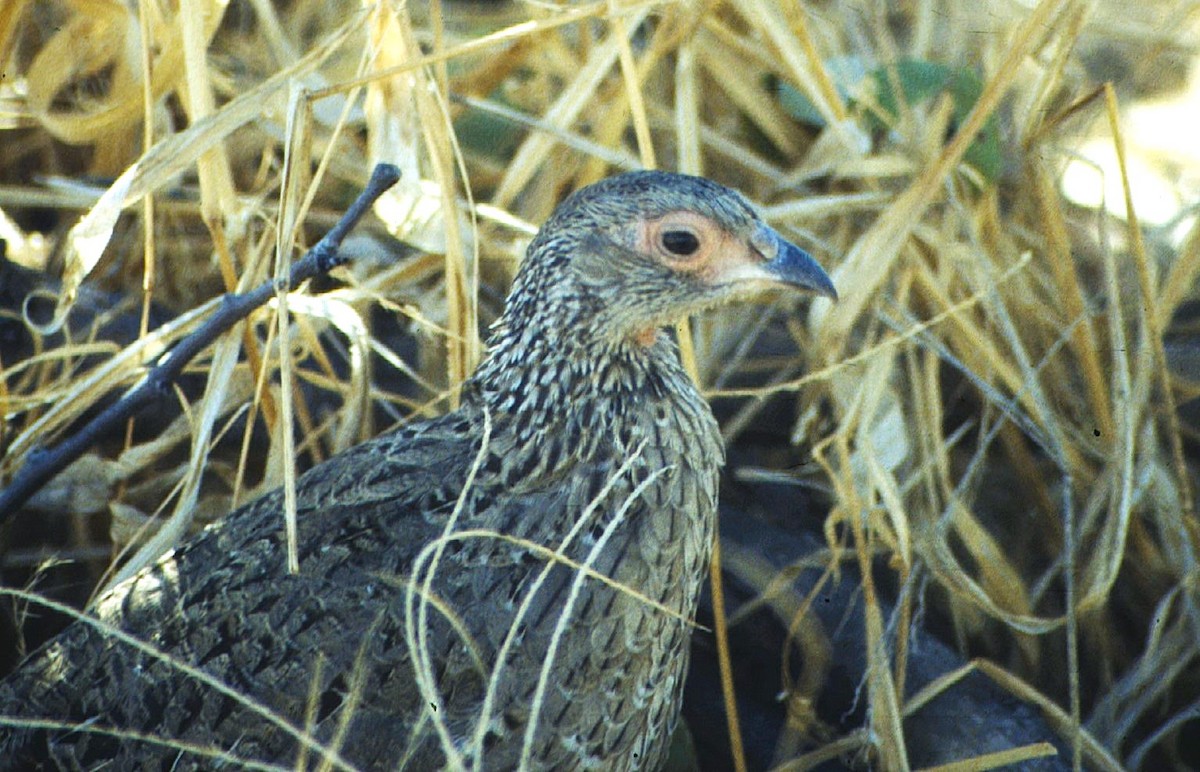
42, 465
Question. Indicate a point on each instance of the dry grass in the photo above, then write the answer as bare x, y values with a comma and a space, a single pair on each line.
998, 403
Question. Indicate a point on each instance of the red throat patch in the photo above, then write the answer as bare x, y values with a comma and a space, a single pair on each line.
646, 337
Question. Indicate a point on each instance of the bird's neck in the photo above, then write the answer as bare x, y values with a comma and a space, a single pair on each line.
543, 383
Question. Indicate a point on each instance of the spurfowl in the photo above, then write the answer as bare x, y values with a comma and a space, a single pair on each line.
510, 585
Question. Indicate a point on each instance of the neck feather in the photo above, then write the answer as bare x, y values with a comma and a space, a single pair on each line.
550, 383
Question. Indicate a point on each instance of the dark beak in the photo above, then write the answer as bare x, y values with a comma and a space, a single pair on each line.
792, 265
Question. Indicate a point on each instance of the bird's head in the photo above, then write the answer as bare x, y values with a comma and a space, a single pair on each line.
637, 251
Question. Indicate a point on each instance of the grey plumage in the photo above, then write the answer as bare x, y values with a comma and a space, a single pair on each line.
580, 434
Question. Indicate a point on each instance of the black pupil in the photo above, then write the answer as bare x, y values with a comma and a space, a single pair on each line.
680, 242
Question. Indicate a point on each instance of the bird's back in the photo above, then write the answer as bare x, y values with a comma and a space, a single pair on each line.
328, 652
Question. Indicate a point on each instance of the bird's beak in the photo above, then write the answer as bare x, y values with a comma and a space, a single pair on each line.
792, 265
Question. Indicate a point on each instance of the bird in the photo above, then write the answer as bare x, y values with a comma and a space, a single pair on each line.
509, 585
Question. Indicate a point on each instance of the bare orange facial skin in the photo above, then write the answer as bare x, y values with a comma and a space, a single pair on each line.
718, 252
690, 243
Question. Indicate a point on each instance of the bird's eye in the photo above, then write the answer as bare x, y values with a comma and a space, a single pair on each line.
680, 242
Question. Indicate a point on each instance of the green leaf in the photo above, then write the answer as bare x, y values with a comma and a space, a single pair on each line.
914, 81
